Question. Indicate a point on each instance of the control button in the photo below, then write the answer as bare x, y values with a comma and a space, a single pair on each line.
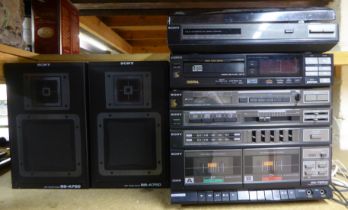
276, 195
325, 68
230, 118
218, 118
311, 81
311, 60
195, 118
207, 118
268, 195
291, 194
297, 80
225, 196
310, 97
261, 195
325, 80
324, 60
323, 97
252, 64
284, 195
311, 68
210, 196
300, 194
233, 196
243, 100
201, 197
252, 71
269, 81
289, 31
189, 197
325, 73
297, 97
253, 195
243, 195
312, 74
217, 196
252, 81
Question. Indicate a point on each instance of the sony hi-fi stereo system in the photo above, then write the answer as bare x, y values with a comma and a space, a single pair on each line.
250, 70
269, 30
251, 127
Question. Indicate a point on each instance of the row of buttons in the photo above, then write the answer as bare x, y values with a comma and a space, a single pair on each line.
211, 139
211, 134
257, 195
318, 71
264, 99
209, 118
316, 97
318, 60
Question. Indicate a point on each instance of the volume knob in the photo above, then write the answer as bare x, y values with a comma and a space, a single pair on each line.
297, 97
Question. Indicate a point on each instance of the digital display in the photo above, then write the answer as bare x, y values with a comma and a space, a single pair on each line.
223, 68
286, 66
212, 31
212, 167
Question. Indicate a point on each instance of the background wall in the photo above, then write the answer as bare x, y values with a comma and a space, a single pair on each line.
11, 19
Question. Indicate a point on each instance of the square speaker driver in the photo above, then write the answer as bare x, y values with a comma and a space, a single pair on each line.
46, 92
128, 90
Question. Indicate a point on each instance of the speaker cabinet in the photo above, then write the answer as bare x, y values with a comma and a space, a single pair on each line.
47, 124
129, 124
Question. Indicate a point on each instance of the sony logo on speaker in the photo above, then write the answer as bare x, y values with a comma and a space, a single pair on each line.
126, 63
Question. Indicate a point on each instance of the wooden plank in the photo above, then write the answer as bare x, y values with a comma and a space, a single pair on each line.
141, 35
16, 52
134, 20
96, 58
340, 58
151, 49
140, 28
148, 42
97, 28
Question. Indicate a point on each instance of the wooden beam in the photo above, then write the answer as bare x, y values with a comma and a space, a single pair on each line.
16, 51
134, 20
151, 49
140, 35
148, 42
140, 28
97, 28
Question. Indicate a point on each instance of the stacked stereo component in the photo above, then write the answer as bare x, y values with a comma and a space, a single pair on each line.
253, 127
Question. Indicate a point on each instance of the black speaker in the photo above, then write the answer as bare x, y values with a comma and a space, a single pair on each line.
47, 124
129, 124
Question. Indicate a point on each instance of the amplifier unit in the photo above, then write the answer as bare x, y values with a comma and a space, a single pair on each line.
250, 118
250, 98
250, 70
250, 175
292, 30
253, 137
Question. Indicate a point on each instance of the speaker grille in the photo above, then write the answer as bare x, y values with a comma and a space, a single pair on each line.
129, 143
49, 145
